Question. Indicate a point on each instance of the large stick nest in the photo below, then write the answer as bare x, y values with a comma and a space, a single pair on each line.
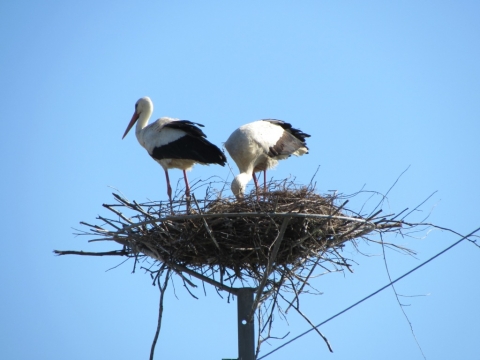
235, 239
225, 234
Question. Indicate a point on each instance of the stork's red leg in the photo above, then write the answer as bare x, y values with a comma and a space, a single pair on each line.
264, 183
256, 183
187, 187
187, 191
169, 188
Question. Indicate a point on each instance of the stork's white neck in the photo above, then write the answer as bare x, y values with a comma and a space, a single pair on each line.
145, 108
145, 114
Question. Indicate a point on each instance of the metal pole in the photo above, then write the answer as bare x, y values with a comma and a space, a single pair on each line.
246, 330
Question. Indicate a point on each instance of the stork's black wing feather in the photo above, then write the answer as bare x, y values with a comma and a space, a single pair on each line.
190, 147
189, 127
299, 134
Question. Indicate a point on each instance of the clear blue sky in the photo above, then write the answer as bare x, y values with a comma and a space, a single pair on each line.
379, 85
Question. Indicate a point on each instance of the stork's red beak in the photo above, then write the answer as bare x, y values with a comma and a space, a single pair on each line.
132, 122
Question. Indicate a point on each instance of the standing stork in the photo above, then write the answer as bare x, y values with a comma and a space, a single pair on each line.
258, 145
173, 143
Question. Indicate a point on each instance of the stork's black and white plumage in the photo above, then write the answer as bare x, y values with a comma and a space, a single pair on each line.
258, 145
173, 143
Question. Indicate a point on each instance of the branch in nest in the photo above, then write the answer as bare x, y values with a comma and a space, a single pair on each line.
106, 253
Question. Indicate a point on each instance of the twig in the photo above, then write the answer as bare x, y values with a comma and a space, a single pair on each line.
205, 223
398, 300
160, 311
423, 202
311, 324
268, 270
87, 253
109, 207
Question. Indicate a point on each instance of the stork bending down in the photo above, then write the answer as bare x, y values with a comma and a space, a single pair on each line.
258, 145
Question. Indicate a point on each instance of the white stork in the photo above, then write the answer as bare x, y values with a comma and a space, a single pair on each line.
258, 145
173, 143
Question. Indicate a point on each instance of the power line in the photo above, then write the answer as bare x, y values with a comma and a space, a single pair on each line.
372, 294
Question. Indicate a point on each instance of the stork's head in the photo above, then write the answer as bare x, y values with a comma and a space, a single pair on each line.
239, 184
143, 105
